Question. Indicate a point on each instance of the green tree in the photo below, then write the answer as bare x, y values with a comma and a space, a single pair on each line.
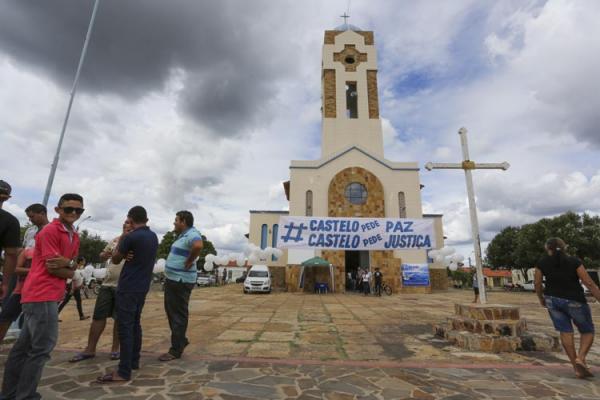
91, 246
463, 277
207, 248
164, 248
23, 229
500, 251
522, 247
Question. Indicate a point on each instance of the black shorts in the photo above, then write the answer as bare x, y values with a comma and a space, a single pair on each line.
11, 308
476, 290
105, 304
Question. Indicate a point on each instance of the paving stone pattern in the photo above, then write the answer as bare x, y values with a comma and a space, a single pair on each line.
301, 346
255, 379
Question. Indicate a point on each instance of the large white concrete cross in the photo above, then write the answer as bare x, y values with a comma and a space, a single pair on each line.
467, 165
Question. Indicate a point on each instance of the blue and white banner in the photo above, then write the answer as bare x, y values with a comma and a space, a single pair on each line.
415, 275
355, 233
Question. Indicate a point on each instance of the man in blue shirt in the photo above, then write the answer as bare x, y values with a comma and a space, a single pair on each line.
181, 274
138, 248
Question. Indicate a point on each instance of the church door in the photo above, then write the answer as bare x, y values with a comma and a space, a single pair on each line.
355, 260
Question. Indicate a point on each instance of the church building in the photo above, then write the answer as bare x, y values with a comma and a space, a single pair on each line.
352, 177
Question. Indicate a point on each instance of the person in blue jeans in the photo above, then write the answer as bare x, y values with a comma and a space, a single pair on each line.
564, 298
138, 248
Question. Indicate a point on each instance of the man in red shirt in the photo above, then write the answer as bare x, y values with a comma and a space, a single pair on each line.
56, 248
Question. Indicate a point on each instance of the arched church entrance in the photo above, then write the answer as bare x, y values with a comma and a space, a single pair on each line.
354, 192
354, 261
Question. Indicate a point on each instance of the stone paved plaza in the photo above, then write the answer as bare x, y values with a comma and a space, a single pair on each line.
304, 346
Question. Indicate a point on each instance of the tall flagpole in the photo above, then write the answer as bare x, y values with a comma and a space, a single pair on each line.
73, 90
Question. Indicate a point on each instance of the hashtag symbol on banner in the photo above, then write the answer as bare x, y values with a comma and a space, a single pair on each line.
290, 230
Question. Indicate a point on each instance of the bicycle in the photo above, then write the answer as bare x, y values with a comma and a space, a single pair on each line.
385, 288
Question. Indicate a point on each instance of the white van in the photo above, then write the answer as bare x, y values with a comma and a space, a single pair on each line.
258, 279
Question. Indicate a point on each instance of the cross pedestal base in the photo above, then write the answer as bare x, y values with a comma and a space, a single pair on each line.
493, 328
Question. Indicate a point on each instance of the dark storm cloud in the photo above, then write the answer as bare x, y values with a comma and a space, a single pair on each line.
228, 57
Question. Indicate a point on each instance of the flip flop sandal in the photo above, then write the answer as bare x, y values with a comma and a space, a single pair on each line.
580, 371
109, 378
584, 370
80, 357
115, 355
167, 357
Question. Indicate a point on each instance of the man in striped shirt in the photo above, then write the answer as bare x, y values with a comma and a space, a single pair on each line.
181, 274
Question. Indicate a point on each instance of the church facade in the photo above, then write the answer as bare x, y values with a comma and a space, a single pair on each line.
352, 178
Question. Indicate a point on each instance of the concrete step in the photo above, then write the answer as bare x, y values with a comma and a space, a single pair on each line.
497, 344
508, 327
487, 312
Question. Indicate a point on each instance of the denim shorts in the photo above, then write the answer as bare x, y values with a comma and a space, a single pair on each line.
564, 313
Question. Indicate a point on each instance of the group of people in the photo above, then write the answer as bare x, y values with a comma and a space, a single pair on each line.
361, 280
48, 259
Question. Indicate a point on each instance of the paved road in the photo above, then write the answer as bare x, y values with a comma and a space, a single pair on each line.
298, 346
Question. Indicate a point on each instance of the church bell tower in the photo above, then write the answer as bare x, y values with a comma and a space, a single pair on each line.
350, 100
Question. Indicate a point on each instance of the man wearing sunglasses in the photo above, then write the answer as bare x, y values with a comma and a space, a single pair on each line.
56, 248
10, 238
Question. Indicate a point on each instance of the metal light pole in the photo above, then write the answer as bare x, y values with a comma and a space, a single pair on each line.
73, 90
82, 221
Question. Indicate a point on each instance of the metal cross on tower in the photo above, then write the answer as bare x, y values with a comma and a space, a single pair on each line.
467, 165
345, 16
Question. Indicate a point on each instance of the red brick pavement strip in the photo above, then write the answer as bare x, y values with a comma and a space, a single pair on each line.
362, 364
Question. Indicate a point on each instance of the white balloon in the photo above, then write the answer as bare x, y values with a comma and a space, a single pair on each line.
453, 266
77, 278
100, 273
208, 266
264, 255
277, 253
87, 272
240, 261
158, 268
249, 248
252, 259
210, 257
457, 258
446, 251
439, 258
224, 260
161, 263
433, 253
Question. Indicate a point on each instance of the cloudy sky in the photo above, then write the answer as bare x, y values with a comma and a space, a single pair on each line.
200, 105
